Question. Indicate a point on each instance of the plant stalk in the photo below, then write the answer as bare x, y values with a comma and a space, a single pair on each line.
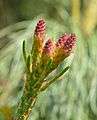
27, 101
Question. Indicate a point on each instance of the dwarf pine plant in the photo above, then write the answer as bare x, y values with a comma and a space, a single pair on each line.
43, 58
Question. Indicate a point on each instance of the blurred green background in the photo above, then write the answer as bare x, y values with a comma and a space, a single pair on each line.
74, 96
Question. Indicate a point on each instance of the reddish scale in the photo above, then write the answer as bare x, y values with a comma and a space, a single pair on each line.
70, 42
40, 28
49, 47
66, 42
62, 40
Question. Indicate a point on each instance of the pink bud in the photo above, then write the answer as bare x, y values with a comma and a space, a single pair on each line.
64, 47
39, 36
66, 42
49, 47
70, 43
40, 28
62, 40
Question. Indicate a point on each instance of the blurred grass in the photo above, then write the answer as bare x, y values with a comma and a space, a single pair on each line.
75, 96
